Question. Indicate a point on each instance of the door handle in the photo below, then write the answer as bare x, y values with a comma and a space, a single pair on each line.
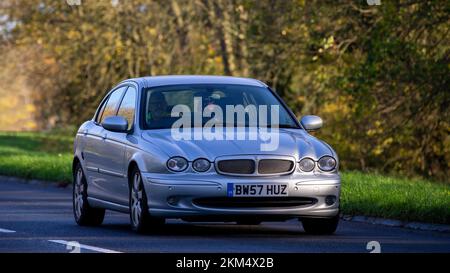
104, 136
85, 132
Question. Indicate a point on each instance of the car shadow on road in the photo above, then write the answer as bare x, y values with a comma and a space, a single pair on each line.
217, 229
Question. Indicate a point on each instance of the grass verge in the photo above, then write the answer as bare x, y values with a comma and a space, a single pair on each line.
393, 197
45, 156
48, 156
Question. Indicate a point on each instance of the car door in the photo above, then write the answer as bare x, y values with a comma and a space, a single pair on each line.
114, 167
95, 147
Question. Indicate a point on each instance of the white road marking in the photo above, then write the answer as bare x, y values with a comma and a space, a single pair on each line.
93, 248
7, 230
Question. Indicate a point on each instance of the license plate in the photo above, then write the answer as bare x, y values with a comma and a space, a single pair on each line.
234, 189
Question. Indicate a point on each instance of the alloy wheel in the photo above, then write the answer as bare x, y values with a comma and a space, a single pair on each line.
136, 199
78, 193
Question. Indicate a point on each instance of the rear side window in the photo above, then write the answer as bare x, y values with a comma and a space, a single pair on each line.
112, 103
127, 106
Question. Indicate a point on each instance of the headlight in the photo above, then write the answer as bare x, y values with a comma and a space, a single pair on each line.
327, 163
177, 164
306, 164
201, 165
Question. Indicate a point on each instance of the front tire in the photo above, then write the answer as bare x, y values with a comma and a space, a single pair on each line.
140, 218
320, 226
84, 214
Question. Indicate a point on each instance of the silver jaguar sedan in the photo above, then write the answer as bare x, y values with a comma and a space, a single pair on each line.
203, 148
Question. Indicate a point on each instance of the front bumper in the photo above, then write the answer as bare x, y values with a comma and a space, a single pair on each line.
172, 195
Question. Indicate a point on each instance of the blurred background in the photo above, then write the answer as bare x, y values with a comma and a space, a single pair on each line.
377, 74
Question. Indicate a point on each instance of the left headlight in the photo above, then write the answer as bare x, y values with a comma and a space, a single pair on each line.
177, 164
327, 163
201, 165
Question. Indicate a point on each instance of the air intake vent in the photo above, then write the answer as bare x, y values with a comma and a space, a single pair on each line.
254, 202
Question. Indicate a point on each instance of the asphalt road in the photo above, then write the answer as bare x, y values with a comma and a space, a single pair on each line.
38, 218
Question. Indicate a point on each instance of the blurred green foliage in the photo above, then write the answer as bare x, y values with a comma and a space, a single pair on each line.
378, 75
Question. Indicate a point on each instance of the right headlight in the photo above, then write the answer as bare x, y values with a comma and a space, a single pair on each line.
177, 164
327, 163
306, 165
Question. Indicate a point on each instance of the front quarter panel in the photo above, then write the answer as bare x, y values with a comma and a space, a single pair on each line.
147, 156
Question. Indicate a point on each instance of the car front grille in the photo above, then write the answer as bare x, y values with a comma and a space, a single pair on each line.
254, 202
260, 166
274, 166
237, 166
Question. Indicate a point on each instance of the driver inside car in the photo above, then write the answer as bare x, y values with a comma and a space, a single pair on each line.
157, 107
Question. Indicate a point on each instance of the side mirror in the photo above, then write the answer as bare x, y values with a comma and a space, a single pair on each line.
115, 124
311, 123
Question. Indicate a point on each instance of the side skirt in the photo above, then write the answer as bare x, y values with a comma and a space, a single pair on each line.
98, 203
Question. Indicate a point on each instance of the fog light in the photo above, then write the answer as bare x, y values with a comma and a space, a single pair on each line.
172, 201
330, 200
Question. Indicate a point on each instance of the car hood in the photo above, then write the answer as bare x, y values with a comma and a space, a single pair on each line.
291, 142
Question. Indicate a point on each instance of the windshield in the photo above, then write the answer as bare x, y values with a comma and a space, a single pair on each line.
223, 104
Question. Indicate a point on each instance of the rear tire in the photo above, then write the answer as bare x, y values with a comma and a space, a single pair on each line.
320, 226
84, 214
140, 219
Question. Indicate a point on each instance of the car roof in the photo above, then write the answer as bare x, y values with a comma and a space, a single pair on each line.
154, 81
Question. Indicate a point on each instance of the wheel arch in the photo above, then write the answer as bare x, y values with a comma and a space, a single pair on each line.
75, 161
131, 166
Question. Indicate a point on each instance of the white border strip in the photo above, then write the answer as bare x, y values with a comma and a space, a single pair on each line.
93, 248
